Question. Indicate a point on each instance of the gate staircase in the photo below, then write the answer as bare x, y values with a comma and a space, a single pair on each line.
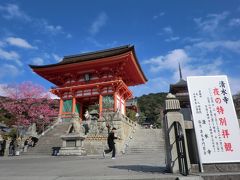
50, 139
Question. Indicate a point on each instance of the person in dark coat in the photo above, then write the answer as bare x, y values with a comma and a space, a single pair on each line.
111, 143
34, 140
12, 147
3, 147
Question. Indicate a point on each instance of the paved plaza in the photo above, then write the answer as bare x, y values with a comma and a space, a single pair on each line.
89, 167
136, 167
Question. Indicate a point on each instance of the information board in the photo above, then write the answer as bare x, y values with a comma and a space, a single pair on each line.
215, 121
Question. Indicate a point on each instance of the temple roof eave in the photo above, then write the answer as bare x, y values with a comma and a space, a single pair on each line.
92, 56
87, 57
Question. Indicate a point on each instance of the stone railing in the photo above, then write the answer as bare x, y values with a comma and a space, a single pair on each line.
126, 129
128, 120
56, 122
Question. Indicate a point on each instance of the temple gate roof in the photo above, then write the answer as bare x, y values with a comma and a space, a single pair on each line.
121, 61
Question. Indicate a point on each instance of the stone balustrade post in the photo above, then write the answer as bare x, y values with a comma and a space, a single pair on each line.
171, 116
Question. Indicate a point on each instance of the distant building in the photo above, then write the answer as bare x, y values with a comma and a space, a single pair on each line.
180, 90
132, 104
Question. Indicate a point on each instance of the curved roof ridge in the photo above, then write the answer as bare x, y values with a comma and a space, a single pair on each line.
89, 56
95, 56
96, 52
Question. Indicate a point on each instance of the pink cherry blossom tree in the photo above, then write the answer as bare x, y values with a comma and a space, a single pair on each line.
29, 103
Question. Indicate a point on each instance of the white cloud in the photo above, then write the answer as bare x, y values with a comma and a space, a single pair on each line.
19, 42
169, 61
8, 70
56, 57
9, 55
168, 30
234, 22
37, 61
48, 28
191, 39
225, 44
52, 28
204, 55
2, 44
158, 15
190, 65
194, 69
12, 11
211, 22
174, 38
99, 22
69, 36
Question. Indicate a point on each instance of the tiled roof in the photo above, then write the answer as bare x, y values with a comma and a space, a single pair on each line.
89, 56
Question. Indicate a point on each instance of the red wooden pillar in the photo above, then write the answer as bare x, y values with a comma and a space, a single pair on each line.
100, 105
73, 104
120, 104
60, 106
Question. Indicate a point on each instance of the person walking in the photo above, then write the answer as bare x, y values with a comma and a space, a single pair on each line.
12, 147
111, 143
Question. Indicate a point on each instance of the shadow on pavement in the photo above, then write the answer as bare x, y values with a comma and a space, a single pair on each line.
142, 168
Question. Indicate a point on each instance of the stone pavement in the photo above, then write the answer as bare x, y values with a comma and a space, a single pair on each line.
135, 167
84, 168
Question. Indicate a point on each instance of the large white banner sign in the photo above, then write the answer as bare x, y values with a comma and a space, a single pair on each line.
215, 121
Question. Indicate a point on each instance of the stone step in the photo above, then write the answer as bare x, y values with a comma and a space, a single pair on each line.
147, 141
49, 140
147, 149
153, 141
142, 152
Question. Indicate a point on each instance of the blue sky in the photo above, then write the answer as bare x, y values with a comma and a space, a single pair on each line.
202, 35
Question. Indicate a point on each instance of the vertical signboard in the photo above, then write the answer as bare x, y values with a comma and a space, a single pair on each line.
215, 121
